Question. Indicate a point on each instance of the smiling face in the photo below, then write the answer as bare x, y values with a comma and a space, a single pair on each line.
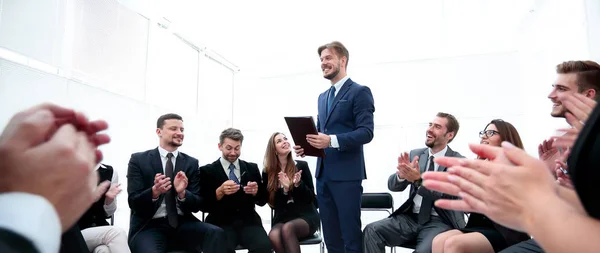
437, 135
231, 149
282, 145
565, 84
171, 133
490, 136
331, 64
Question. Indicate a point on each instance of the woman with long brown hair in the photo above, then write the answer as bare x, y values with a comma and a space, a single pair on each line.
291, 194
482, 234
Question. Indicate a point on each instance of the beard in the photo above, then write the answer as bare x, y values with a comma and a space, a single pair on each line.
559, 112
231, 158
175, 144
430, 144
333, 74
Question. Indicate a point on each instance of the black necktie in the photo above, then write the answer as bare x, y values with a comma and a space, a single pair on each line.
427, 201
171, 194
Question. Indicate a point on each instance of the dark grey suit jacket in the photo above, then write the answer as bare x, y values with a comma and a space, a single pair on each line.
453, 218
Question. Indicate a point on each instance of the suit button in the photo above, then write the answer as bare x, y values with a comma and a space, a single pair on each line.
325, 129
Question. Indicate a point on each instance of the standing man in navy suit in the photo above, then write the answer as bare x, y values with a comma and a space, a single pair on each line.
345, 124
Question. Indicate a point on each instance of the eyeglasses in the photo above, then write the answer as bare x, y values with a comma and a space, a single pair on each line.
488, 133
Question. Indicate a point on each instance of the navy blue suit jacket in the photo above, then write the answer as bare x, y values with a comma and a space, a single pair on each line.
351, 120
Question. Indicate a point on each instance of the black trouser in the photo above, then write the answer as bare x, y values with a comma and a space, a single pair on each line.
250, 236
193, 236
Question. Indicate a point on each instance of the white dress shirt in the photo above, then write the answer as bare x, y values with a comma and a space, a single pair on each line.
236, 171
162, 209
418, 198
338, 86
32, 217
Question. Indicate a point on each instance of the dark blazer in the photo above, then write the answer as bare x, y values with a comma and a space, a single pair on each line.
96, 216
143, 166
454, 218
304, 205
584, 162
351, 120
235, 207
11, 242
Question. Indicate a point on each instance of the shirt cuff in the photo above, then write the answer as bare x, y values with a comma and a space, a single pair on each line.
111, 208
334, 141
32, 217
180, 200
400, 179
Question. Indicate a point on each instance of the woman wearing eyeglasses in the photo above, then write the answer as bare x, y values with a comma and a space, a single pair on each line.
482, 234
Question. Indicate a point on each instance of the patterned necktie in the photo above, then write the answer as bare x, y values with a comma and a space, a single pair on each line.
232, 174
171, 195
330, 98
427, 201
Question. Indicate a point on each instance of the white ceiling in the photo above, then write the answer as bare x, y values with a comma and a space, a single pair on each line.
271, 38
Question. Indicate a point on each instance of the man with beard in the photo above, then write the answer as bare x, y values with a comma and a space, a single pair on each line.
581, 77
418, 220
345, 124
231, 188
163, 187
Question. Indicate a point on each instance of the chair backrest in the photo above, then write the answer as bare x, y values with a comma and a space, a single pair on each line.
377, 201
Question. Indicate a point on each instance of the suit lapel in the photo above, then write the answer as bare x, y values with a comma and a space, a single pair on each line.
220, 171
449, 153
322, 111
179, 163
423, 160
156, 162
337, 98
243, 169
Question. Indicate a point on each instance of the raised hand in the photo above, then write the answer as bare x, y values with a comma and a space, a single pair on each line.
296, 179
112, 193
180, 183
162, 184
548, 153
60, 145
408, 170
284, 180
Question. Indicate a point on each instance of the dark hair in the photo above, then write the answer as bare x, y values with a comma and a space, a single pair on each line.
507, 132
588, 73
271, 167
161, 120
338, 48
231, 133
452, 125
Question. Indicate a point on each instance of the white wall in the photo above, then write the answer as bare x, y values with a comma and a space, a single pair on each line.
116, 65
475, 84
